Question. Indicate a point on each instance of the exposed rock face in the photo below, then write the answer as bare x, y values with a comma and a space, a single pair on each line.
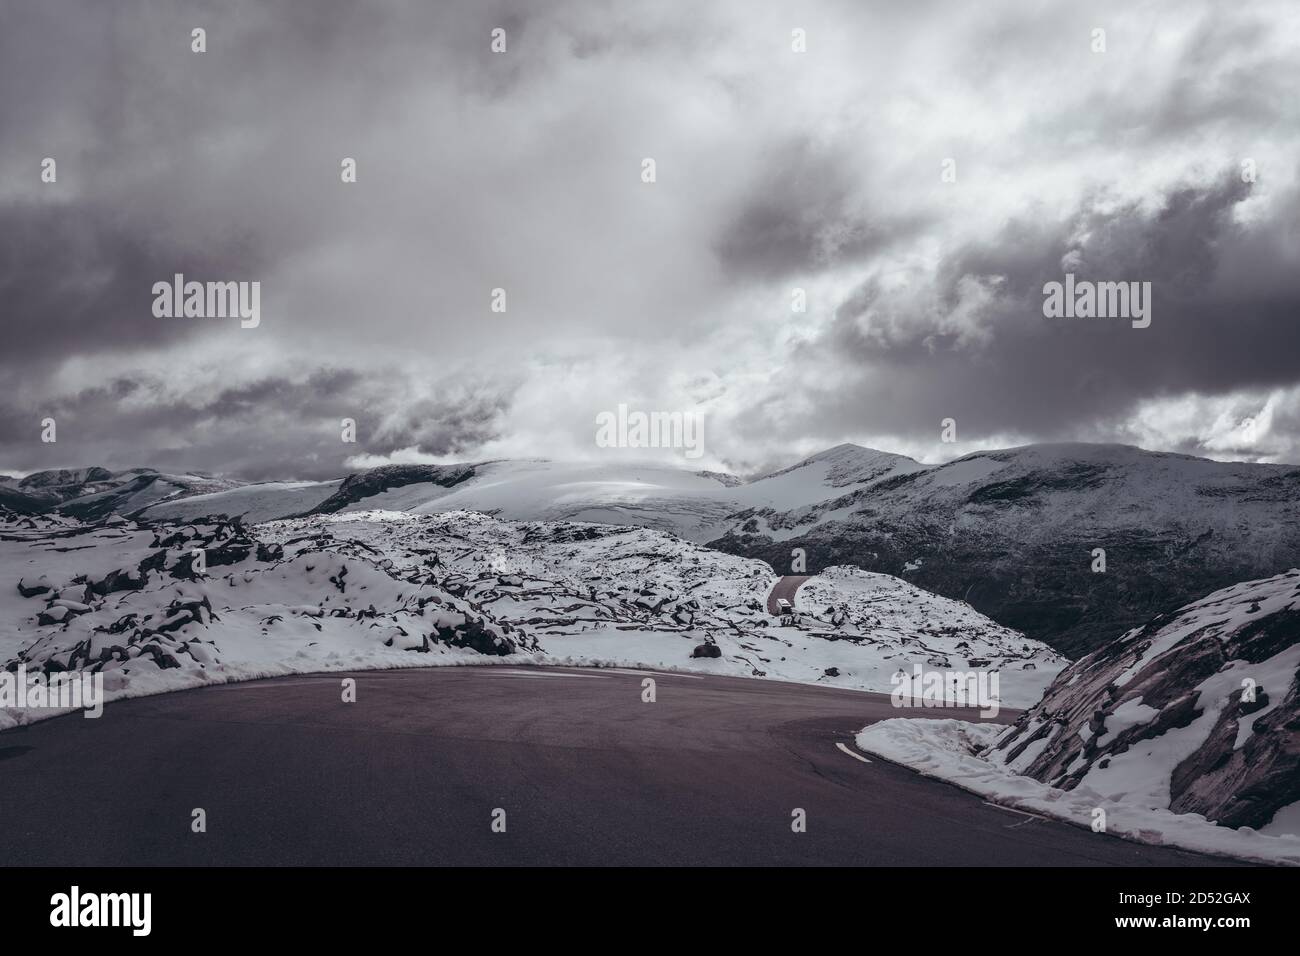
122, 579
91, 494
93, 505
64, 478
1198, 711
376, 480
477, 635
20, 502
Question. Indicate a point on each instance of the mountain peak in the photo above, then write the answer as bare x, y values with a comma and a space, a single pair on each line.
848, 450
847, 464
58, 477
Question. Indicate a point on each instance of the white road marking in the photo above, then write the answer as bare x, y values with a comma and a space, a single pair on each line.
551, 675
1023, 813
640, 673
851, 753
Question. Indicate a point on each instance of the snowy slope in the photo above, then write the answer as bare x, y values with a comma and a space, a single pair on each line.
696, 505
942, 633
126, 600
1198, 711
1184, 731
393, 589
953, 751
806, 493
254, 503
656, 496
1012, 532
97, 492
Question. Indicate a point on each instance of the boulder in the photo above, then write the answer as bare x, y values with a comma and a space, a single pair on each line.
40, 586
53, 615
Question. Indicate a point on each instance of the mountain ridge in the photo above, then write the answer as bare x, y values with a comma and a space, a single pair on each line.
1015, 531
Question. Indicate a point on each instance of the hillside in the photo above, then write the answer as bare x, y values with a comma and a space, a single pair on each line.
1012, 532
1198, 711
392, 589
95, 492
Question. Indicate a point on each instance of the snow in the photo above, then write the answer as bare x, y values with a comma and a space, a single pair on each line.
1286, 822
965, 471
695, 505
1158, 720
1131, 713
949, 750
900, 624
1141, 769
254, 503
359, 590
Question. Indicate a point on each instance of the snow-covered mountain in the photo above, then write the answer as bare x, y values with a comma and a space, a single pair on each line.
395, 589
696, 505
1198, 712
96, 492
1012, 532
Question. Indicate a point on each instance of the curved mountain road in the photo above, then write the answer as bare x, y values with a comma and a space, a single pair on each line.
585, 771
785, 587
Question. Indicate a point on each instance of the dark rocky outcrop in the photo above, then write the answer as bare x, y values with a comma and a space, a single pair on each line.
1222, 673
367, 483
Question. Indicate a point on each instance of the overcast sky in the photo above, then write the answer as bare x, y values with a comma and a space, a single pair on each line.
522, 170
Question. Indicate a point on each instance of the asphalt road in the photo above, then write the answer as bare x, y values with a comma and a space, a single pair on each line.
586, 772
785, 587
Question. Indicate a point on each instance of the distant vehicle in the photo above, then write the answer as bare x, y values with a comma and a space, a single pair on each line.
783, 606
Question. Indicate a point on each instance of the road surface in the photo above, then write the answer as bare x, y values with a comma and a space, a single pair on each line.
785, 588
586, 772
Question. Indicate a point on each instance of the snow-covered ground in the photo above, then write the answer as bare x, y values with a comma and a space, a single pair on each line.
385, 589
695, 505
1183, 731
1004, 529
257, 502
952, 750
382, 589
1007, 530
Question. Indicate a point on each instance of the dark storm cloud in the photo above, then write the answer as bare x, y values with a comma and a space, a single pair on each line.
803, 212
776, 170
77, 278
974, 344
171, 161
272, 427
450, 424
